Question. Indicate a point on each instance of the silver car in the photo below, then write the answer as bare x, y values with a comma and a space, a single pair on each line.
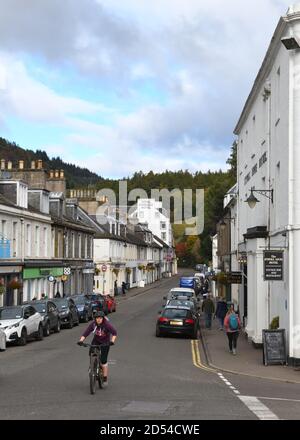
2, 340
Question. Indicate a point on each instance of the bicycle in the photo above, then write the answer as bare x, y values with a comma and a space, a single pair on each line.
95, 369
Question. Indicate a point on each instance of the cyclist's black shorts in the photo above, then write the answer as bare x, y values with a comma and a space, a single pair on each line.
104, 353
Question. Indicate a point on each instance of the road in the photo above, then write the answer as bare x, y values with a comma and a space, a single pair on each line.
150, 378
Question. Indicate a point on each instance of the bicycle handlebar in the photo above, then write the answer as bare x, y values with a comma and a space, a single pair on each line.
85, 344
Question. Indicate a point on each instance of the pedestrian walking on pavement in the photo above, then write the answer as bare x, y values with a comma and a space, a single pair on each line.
221, 312
124, 288
232, 326
208, 308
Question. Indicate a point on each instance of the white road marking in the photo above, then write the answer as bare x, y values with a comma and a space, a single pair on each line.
279, 398
258, 408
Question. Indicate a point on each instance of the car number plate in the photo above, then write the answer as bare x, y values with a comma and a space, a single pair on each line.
176, 323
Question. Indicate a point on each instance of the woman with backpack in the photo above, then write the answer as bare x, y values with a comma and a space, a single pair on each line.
232, 326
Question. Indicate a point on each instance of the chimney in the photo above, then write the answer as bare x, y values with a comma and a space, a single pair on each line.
51, 174
56, 174
21, 164
9, 165
33, 164
2, 164
62, 174
40, 164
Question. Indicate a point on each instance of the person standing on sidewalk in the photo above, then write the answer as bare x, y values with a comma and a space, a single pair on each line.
232, 326
208, 308
221, 311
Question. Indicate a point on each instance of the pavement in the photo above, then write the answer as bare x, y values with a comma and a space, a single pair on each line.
248, 361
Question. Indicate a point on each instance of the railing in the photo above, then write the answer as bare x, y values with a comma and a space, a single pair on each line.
4, 247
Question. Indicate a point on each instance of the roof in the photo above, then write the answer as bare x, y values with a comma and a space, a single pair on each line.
182, 289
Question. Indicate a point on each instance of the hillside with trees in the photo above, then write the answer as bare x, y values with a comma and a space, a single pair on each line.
190, 249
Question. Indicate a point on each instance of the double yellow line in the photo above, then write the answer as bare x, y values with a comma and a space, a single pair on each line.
197, 359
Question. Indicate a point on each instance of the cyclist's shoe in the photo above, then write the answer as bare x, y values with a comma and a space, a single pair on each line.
105, 382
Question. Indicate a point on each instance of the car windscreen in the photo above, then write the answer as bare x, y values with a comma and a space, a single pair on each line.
96, 298
176, 302
175, 313
178, 293
40, 307
79, 300
61, 303
11, 313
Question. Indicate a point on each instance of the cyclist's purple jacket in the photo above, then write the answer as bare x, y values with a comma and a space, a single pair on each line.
102, 332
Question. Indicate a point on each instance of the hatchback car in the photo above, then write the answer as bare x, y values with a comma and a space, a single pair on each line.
84, 307
111, 303
21, 322
49, 311
67, 311
181, 291
177, 320
183, 301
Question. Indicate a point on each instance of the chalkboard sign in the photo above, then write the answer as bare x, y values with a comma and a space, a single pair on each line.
274, 349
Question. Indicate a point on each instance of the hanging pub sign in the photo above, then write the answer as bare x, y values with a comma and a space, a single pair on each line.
273, 265
234, 277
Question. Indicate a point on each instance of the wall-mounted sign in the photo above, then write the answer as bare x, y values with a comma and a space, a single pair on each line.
273, 265
67, 271
51, 279
234, 278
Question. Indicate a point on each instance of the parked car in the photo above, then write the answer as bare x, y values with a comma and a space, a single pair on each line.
111, 303
2, 340
182, 291
84, 307
49, 311
67, 311
188, 282
98, 302
178, 320
21, 322
184, 302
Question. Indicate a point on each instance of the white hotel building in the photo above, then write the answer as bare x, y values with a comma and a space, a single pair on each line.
269, 159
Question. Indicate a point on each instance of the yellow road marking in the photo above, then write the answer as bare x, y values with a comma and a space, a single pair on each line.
197, 359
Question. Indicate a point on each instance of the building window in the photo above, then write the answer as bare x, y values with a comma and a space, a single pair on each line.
37, 241
28, 240
45, 242
3, 228
15, 238
163, 225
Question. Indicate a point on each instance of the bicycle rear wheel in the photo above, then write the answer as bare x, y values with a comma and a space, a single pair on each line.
93, 374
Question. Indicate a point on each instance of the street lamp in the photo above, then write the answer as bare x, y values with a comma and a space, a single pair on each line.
290, 43
252, 200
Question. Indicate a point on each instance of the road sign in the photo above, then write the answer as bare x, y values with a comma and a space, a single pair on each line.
104, 268
51, 279
67, 271
273, 265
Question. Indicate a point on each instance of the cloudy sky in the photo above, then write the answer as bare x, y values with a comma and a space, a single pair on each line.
125, 85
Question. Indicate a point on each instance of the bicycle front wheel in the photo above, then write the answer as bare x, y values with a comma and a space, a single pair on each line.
92, 375
100, 378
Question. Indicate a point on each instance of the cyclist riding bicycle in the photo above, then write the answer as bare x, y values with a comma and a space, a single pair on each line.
104, 336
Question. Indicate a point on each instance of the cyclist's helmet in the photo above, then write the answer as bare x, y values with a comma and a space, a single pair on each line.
99, 315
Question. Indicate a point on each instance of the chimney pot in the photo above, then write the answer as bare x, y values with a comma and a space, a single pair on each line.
9, 165
21, 164
2, 164
33, 164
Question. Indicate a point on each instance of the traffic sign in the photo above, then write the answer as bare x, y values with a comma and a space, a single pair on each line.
67, 271
51, 279
104, 268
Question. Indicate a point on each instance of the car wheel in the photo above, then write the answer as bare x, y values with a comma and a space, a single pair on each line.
158, 332
47, 329
23, 337
57, 327
40, 333
70, 325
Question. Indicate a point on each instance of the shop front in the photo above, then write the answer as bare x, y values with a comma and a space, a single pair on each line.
39, 280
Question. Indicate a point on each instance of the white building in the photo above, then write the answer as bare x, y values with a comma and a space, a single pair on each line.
269, 159
152, 213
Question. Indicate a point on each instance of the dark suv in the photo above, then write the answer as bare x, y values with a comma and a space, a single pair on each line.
98, 303
49, 311
67, 311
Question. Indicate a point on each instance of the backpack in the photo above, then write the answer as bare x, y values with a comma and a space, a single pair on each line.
233, 322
